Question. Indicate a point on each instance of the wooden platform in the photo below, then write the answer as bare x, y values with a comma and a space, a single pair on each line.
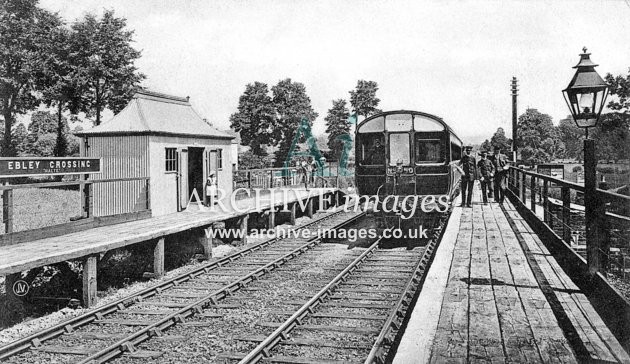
505, 299
23, 256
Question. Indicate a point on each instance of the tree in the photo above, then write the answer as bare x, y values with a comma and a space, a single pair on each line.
336, 126
43, 128
620, 87
538, 139
250, 160
255, 118
486, 145
363, 98
25, 33
572, 137
105, 70
292, 105
613, 136
20, 138
500, 140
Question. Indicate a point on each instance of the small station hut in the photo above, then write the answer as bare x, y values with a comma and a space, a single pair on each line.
163, 138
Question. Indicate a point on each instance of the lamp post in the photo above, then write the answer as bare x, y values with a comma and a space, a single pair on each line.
585, 95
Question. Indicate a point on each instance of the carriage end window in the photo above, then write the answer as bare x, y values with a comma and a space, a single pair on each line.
171, 159
372, 149
429, 151
399, 149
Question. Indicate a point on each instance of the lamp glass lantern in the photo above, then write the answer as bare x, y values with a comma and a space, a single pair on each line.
586, 93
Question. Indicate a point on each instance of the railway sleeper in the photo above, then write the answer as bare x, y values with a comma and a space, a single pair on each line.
287, 359
351, 329
348, 316
308, 342
345, 304
108, 336
83, 350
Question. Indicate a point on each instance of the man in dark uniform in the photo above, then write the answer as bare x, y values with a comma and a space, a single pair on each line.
486, 173
500, 163
468, 168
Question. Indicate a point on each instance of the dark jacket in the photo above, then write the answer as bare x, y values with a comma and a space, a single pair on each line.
486, 168
498, 162
469, 165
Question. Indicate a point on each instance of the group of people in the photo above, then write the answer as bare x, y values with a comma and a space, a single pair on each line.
490, 171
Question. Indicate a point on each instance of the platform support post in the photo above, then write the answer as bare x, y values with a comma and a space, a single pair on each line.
337, 198
293, 210
244, 229
566, 214
309, 208
9, 281
89, 280
158, 258
271, 222
207, 242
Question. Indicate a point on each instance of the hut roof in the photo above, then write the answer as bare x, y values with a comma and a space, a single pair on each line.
155, 113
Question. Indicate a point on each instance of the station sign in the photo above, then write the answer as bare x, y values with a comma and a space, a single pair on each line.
42, 166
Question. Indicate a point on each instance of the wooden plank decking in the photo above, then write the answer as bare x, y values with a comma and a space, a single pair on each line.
23, 256
505, 299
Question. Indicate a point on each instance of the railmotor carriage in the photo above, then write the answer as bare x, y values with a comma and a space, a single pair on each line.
407, 153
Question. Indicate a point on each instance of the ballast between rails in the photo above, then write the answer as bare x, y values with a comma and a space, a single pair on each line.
393, 323
130, 343
68, 326
262, 350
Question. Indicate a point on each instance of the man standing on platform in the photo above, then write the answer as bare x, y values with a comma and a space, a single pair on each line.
501, 166
486, 173
468, 168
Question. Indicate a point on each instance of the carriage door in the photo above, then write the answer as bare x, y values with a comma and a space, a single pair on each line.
182, 180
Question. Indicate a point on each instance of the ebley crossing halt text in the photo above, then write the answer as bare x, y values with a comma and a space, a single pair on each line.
20, 167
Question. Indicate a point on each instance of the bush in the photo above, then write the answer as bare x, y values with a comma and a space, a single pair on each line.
606, 170
577, 169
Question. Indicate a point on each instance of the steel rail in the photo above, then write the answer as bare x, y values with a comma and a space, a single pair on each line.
35, 340
281, 333
393, 322
129, 343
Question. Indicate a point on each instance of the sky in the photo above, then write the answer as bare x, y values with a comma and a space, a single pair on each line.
453, 59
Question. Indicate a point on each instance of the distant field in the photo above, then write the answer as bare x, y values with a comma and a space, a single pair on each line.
39, 207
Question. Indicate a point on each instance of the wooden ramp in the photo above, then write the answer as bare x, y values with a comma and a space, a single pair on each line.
498, 295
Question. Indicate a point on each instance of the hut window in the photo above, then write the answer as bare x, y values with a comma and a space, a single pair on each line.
219, 158
171, 159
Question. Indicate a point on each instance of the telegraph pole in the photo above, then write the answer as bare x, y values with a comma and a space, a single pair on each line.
514, 117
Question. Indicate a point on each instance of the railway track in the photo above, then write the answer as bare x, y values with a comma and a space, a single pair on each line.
118, 328
368, 300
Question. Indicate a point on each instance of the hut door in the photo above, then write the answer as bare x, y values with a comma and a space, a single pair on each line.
182, 180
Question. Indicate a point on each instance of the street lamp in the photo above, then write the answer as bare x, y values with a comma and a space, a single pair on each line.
586, 96
586, 93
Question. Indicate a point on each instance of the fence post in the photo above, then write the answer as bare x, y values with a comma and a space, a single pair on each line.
566, 214
148, 193
546, 213
87, 193
7, 210
532, 193
524, 189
